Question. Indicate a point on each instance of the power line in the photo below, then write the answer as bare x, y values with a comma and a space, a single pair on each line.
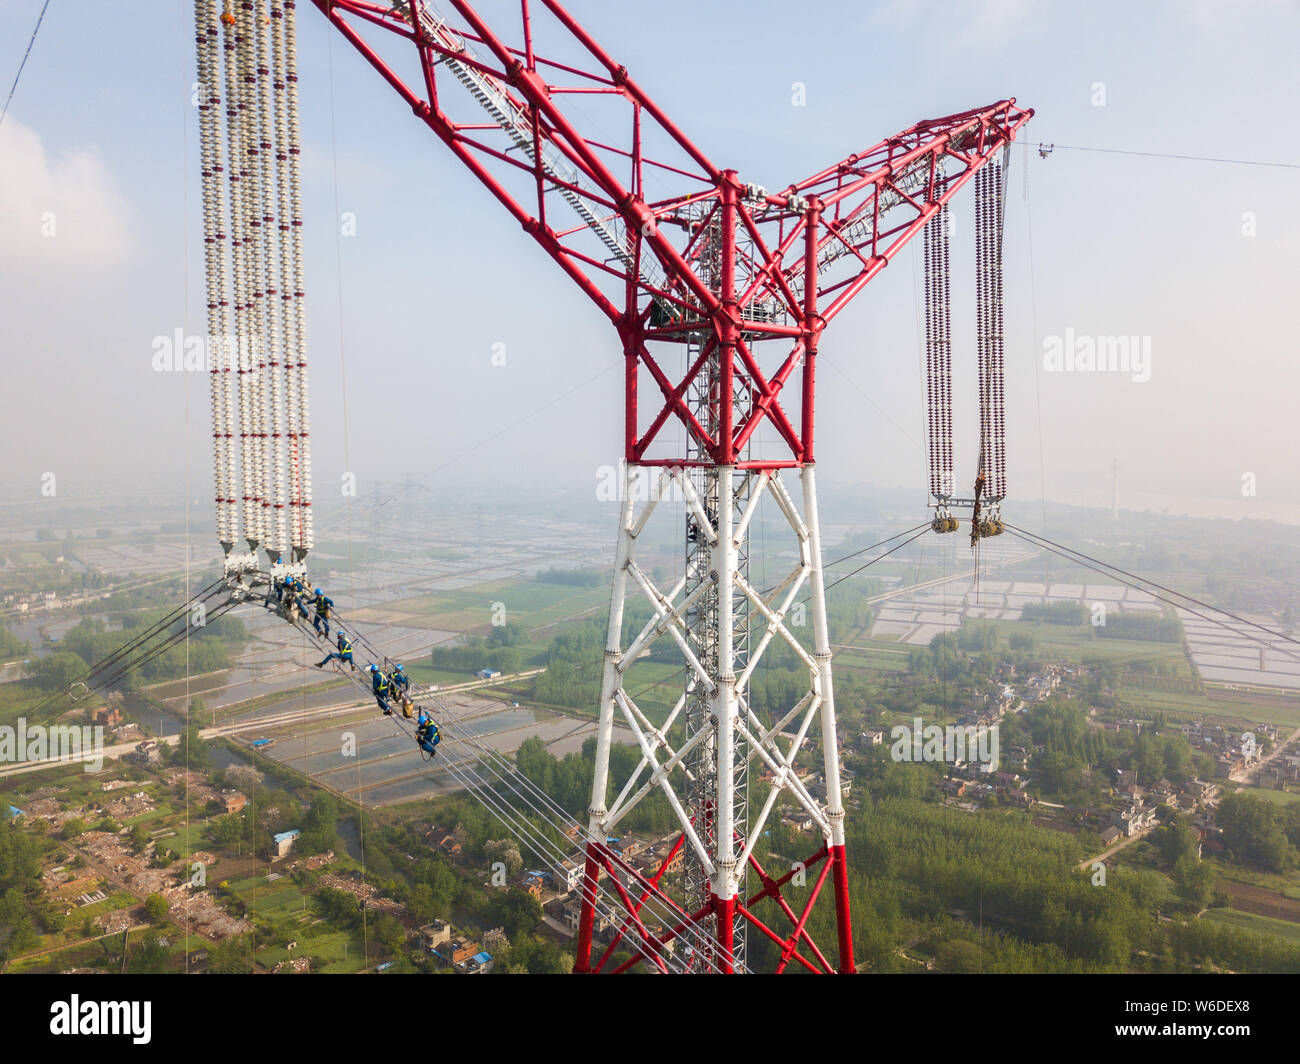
1181, 594
873, 561
13, 88
1134, 581
1172, 155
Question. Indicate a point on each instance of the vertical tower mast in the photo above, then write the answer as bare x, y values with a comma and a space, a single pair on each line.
743, 283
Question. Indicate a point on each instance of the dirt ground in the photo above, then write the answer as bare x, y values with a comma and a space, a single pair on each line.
1260, 900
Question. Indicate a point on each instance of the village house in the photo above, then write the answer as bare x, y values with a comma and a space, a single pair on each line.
1134, 818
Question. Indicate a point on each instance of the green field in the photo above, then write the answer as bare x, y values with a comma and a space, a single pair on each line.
337, 952
1277, 797
1171, 702
1262, 925
1075, 641
530, 602
424, 674
877, 655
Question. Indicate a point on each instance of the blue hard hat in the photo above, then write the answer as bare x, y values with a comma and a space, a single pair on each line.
374, 668
318, 591
399, 668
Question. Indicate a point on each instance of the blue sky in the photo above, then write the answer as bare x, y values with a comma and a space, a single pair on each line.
102, 133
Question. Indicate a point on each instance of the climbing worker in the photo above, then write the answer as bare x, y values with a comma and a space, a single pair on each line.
401, 689
427, 734
343, 654
975, 511
380, 686
323, 606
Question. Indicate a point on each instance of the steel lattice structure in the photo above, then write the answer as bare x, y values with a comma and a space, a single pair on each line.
719, 292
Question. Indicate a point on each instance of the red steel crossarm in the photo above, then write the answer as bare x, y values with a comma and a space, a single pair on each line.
634, 212
439, 124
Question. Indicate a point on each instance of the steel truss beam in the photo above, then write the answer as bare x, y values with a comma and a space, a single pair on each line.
583, 194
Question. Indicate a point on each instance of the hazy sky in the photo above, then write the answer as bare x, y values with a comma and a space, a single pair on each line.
102, 134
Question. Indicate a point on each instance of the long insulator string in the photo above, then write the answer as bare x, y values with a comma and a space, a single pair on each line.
938, 352
931, 384
945, 351
269, 363
238, 163
982, 315
207, 51
288, 364
299, 351
999, 375
256, 376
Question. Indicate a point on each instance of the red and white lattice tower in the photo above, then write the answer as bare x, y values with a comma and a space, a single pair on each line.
719, 292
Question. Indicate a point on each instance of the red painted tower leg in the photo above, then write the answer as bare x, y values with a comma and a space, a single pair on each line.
586, 918
843, 925
726, 910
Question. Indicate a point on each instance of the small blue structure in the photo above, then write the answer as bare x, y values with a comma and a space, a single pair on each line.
15, 812
488, 674
259, 743
284, 841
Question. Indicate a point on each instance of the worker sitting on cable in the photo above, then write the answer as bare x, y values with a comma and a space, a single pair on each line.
380, 686
293, 605
427, 734
975, 510
323, 606
402, 689
343, 654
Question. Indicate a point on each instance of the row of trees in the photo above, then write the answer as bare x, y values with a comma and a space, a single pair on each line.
477, 652
1258, 831
209, 648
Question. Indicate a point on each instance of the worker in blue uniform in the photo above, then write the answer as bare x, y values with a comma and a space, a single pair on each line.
427, 734
343, 653
401, 689
380, 687
323, 606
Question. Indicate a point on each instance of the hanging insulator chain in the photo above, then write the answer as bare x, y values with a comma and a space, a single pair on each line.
999, 404
208, 54
247, 71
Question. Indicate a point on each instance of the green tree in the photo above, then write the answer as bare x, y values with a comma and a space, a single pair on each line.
156, 908
57, 670
1194, 882
390, 934
149, 955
